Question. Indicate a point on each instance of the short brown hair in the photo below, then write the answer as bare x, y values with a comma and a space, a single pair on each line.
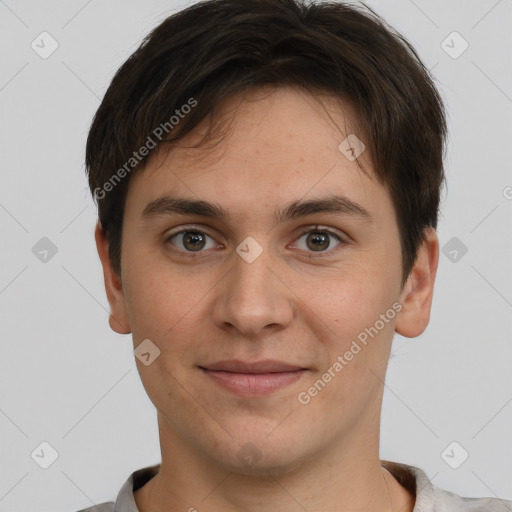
217, 48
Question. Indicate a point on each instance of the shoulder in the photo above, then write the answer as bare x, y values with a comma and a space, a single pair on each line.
125, 501
446, 501
108, 506
430, 498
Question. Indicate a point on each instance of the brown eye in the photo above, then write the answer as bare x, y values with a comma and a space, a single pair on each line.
319, 240
191, 240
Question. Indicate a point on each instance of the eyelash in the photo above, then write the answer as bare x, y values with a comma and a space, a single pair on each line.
313, 254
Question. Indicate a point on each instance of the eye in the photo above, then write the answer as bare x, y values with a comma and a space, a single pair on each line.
192, 240
317, 240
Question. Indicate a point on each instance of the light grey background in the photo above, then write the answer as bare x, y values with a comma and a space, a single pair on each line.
67, 379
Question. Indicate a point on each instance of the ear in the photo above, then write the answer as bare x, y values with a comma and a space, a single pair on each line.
416, 297
118, 319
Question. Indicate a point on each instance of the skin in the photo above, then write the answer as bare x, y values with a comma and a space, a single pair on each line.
202, 307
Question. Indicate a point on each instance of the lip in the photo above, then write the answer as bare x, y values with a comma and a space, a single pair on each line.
265, 366
257, 378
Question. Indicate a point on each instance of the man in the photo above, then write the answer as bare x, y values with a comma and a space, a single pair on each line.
267, 176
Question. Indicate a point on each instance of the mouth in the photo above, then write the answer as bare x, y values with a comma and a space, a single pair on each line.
253, 378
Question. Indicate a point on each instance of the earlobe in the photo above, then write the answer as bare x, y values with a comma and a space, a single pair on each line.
118, 318
416, 297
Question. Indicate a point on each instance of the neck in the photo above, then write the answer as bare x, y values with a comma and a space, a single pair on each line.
343, 479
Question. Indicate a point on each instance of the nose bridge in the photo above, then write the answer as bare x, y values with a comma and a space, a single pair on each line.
252, 297
251, 266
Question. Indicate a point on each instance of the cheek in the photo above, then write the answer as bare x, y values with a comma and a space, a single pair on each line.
351, 308
161, 311
357, 345
157, 299
347, 302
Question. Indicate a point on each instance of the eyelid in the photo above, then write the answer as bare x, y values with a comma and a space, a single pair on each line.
332, 231
187, 228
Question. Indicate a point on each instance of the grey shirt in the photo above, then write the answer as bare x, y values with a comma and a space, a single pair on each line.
429, 498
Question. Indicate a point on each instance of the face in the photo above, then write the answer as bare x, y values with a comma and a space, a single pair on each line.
317, 289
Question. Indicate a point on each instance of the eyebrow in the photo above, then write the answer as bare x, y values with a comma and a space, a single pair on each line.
334, 204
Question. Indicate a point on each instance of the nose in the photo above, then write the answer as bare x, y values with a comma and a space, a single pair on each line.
253, 297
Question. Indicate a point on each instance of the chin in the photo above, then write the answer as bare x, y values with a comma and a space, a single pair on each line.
259, 454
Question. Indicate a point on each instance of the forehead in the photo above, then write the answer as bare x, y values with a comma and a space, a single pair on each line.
268, 118
267, 146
